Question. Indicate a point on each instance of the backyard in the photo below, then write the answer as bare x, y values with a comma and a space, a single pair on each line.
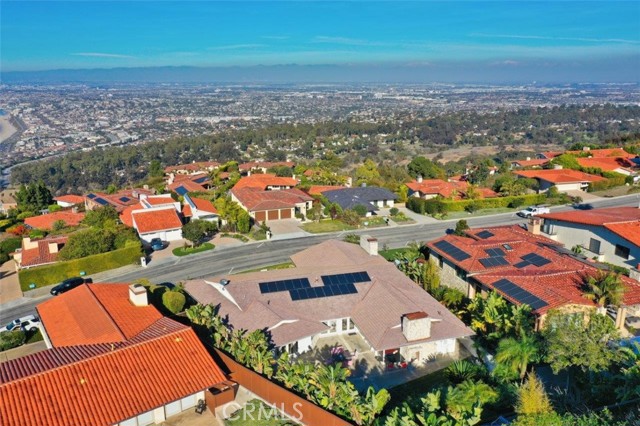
257, 413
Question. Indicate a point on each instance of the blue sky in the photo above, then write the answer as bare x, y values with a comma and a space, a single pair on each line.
93, 34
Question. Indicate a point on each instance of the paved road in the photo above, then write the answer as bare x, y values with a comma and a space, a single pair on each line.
227, 260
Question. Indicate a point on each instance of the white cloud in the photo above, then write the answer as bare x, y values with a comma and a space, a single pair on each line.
347, 41
538, 37
236, 47
102, 55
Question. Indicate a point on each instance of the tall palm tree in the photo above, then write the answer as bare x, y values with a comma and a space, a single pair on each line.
516, 355
604, 288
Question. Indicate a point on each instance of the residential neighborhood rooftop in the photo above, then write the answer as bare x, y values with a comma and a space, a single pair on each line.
559, 175
153, 220
47, 221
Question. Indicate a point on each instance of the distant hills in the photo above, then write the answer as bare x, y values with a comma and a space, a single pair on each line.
504, 72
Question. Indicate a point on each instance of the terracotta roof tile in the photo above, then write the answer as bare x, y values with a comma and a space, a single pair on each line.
603, 153
42, 255
532, 163
319, 189
107, 387
125, 215
204, 205
189, 185
262, 181
607, 163
597, 216
559, 175
70, 198
146, 221
254, 199
46, 221
630, 231
113, 317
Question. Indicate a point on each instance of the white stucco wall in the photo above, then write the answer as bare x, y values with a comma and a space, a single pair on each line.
171, 235
428, 350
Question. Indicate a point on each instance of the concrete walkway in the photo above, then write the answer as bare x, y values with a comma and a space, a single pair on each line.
9, 284
23, 350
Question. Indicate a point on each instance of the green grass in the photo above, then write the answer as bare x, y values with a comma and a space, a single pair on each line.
401, 218
285, 265
482, 212
326, 226
373, 222
236, 236
416, 389
257, 413
34, 336
392, 253
182, 251
52, 274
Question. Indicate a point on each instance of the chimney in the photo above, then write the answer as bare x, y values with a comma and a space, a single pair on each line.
135, 194
145, 186
528, 158
27, 244
634, 273
419, 179
534, 225
416, 326
586, 148
369, 244
53, 248
74, 210
138, 295
557, 167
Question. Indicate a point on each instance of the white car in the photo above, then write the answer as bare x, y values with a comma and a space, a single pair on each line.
25, 323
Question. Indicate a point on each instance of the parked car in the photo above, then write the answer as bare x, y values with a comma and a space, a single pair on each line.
25, 324
67, 285
157, 244
533, 211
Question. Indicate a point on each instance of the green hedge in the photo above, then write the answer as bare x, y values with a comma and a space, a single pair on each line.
12, 339
612, 180
437, 205
52, 274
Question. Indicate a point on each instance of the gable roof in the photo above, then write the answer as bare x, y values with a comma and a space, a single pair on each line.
70, 198
46, 221
603, 152
41, 254
200, 204
102, 384
244, 167
531, 162
113, 317
376, 308
254, 199
607, 163
263, 181
182, 187
348, 198
319, 189
559, 175
119, 200
146, 221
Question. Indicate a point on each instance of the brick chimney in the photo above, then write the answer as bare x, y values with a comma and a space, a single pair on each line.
53, 248
534, 225
419, 179
138, 295
416, 326
369, 244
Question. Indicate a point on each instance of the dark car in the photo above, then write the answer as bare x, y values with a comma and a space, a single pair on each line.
67, 285
157, 244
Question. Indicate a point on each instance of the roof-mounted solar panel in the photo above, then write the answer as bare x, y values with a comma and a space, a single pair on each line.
493, 252
519, 294
449, 249
484, 234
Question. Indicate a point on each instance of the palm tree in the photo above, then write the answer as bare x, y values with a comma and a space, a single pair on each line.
604, 288
516, 355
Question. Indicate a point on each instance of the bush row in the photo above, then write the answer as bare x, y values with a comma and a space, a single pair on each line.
52, 274
439, 206
612, 180
11, 339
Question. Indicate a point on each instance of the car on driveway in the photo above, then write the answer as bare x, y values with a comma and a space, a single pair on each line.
157, 244
25, 324
67, 285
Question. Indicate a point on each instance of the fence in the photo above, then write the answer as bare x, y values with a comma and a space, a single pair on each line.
293, 405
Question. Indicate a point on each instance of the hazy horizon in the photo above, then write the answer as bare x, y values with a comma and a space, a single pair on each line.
455, 41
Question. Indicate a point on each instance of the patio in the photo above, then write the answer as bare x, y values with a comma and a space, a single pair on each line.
367, 368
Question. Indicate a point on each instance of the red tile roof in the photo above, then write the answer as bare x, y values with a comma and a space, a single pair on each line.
559, 175
607, 163
630, 231
254, 199
262, 181
71, 199
264, 165
156, 220
101, 385
447, 189
113, 317
531, 163
557, 282
159, 200
204, 205
602, 153
46, 221
41, 255
120, 200
551, 154
125, 215
319, 189
189, 185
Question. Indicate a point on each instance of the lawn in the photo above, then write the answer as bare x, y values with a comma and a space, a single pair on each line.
400, 218
416, 389
185, 251
326, 226
392, 253
34, 336
482, 212
257, 413
285, 265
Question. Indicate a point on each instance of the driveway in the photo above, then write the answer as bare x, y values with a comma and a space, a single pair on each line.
9, 284
587, 197
286, 228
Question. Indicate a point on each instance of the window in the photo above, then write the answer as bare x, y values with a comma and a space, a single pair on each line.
345, 324
594, 246
461, 273
622, 251
440, 261
548, 228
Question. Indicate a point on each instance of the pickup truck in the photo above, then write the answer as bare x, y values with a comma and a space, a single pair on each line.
533, 211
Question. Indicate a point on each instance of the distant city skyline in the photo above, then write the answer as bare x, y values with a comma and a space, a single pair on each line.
566, 41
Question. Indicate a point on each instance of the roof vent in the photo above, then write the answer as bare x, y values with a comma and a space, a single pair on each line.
224, 281
507, 247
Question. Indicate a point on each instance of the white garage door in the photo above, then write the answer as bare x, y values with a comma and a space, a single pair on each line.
188, 402
172, 409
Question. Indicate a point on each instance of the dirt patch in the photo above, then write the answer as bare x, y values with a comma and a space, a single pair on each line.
455, 154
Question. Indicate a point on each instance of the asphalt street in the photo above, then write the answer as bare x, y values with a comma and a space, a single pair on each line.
229, 260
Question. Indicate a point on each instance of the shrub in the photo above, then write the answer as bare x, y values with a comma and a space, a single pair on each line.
37, 233
394, 211
360, 209
18, 230
174, 301
12, 339
472, 207
54, 208
461, 227
516, 202
350, 217
552, 192
24, 215
352, 238
461, 370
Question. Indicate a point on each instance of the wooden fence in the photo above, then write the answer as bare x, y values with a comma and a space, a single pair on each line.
293, 405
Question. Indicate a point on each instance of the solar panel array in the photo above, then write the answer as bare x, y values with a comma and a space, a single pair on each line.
519, 294
451, 250
284, 285
350, 278
125, 199
200, 180
484, 234
91, 196
101, 201
300, 288
324, 291
532, 259
491, 262
494, 252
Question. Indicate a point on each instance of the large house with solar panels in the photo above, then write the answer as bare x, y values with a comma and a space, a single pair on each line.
120, 200
182, 184
337, 288
523, 267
